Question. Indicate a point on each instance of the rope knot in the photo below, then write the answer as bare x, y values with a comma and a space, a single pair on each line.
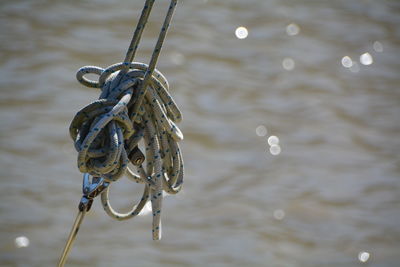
104, 130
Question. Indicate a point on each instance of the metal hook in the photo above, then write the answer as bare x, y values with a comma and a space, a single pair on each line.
90, 190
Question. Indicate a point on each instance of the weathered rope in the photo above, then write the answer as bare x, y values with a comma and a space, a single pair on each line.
134, 105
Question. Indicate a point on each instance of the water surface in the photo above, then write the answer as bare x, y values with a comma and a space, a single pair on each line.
331, 193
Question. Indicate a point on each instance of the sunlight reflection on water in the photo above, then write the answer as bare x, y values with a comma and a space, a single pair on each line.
347, 62
261, 130
241, 32
21, 242
292, 29
366, 59
288, 63
363, 256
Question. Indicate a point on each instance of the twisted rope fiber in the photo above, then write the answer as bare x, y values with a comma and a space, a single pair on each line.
134, 105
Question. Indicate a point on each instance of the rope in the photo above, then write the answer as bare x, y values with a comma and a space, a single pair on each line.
134, 105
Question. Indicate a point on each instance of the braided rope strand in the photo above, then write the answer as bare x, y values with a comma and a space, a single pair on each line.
134, 106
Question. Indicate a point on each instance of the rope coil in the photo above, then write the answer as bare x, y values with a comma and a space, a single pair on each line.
134, 105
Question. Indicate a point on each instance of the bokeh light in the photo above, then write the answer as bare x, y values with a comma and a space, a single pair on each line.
279, 214
21, 242
366, 59
288, 63
273, 140
275, 150
292, 29
363, 256
347, 62
261, 130
241, 32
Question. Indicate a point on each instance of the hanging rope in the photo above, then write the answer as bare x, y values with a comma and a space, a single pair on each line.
134, 105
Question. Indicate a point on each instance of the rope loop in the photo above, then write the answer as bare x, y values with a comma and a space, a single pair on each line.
88, 70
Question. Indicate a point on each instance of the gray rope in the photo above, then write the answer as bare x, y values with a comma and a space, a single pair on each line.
134, 105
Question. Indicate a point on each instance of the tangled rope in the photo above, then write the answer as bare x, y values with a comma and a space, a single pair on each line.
134, 105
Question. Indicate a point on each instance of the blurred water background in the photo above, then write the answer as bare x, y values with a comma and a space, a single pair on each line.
321, 76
